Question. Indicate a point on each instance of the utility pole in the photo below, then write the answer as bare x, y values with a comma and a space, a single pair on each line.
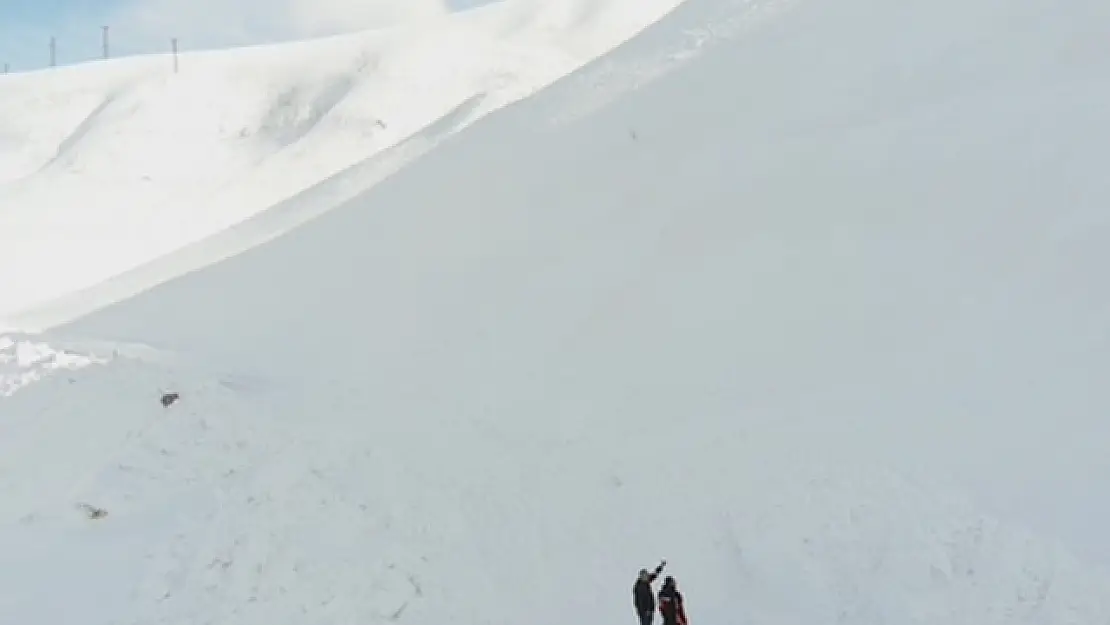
105, 41
6, 68
53, 52
173, 42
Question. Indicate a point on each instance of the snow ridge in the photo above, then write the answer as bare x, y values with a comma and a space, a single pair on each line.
120, 162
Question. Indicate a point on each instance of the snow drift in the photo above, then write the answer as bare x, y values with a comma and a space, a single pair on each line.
805, 297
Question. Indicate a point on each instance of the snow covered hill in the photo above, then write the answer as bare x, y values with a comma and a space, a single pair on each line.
806, 297
106, 166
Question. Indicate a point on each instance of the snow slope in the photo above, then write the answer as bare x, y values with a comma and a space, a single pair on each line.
106, 166
816, 311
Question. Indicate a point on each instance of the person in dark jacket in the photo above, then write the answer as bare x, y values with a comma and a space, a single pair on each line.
671, 606
643, 597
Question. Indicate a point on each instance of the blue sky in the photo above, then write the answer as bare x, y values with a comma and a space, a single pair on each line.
24, 31
146, 25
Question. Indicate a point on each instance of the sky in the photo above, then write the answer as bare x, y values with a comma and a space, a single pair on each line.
141, 26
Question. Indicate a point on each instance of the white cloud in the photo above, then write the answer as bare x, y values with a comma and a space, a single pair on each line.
205, 23
321, 16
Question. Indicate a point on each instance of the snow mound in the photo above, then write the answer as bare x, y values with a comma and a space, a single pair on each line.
24, 361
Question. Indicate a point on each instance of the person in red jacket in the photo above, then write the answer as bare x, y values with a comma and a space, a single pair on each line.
671, 606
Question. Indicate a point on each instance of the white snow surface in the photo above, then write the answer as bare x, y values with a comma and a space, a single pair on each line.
808, 298
105, 166
24, 361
